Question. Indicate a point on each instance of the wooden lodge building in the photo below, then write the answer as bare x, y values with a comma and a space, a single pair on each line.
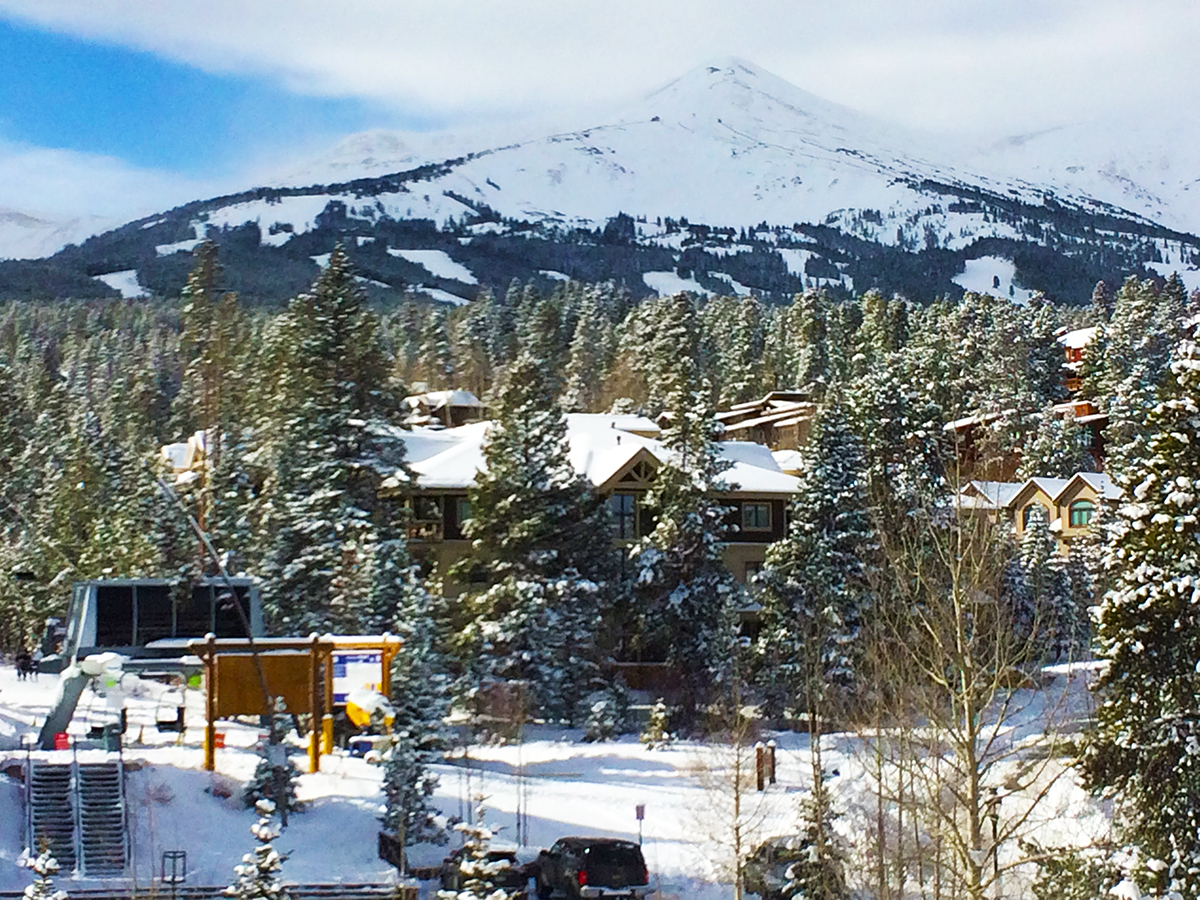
619, 455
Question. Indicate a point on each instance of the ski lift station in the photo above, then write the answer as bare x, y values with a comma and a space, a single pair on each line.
153, 618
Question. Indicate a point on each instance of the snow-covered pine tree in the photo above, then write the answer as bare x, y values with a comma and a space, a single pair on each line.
1132, 350
1148, 721
819, 870
814, 585
1050, 621
321, 505
420, 696
479, 878
44, 867
688, 598
590, 357
258, 874
275, 774
541, 545
1055, 451
657, 732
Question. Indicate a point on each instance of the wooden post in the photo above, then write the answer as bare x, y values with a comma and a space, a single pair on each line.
210, 703
327, 733
317, 691
387, 652
758, 765
771, 761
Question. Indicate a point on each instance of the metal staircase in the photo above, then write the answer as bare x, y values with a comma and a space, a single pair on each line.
78, 810
101, 815
51, 814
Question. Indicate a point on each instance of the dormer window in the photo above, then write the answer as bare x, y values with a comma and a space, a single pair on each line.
1027, 515
1081, 513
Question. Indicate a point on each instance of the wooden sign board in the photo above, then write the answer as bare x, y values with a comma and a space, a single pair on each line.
289, 675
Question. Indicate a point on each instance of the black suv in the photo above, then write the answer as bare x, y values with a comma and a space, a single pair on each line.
580, 867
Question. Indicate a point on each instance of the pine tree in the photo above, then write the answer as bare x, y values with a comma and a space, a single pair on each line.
657, 732
1049, 621
814, 585
1055, 451
321, 507
44, 866
274, 778
479, 877
688, 597
258, 874
1148, 723
819, 871
420, 697
590, 357
540, 541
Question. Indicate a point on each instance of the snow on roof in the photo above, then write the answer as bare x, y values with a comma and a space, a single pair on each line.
438, 399
1077, 339
996, 494
790, 462
976, 419
792, 412
600, 447
753, 470
1051, 487
1104, 486
175, 454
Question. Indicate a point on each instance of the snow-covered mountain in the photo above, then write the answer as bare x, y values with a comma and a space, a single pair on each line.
846, 198
730, 143
27, 236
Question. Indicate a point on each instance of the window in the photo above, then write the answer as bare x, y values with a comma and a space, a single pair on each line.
756, 516
1027, 515
1081, 513
624, 516
462, 509
427, 509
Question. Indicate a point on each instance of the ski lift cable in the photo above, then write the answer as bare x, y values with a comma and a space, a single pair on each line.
268, 705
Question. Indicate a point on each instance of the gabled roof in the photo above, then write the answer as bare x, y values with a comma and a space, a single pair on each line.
601, 448
1003, 494
994, 494
1051, 487
1105, 487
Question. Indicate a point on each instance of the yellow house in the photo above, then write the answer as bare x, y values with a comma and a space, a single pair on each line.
1069, 504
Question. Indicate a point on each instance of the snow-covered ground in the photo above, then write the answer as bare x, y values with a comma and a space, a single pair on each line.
126, 282
437, 263
565, 787
992, 275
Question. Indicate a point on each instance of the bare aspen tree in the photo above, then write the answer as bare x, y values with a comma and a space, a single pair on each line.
953, 674
731, 811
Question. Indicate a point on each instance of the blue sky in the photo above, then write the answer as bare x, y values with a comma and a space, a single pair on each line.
121, 108
74, 94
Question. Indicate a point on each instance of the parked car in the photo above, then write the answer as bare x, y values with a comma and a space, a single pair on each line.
513, 878
588, 867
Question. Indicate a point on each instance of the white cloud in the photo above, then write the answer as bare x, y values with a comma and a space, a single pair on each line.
56, 183
1012, 65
